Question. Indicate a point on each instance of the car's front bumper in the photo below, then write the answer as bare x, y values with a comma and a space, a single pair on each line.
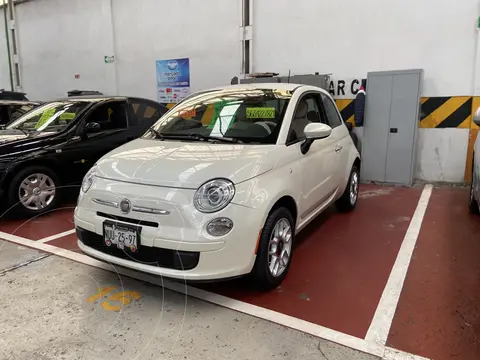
180, 237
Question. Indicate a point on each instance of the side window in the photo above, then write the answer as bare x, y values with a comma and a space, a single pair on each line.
333, 117
147, 111
307, 111
110, 116
18, 110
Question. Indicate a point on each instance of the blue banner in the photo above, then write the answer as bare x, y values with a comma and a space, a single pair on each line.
173, 80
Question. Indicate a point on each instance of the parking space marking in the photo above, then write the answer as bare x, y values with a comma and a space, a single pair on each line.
382, 320
56, 236
394, 354
253, 310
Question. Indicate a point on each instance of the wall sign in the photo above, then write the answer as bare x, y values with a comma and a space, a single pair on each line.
109, 59
173, 80
345, 88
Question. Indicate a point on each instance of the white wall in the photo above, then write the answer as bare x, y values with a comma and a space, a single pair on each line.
348, 38
204, 31
59, 38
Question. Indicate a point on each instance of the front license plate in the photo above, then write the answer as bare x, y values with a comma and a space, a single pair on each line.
121, 236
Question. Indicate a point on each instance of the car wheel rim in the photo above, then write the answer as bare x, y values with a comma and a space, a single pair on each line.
36, 191
354, 188
471, 192
280, 247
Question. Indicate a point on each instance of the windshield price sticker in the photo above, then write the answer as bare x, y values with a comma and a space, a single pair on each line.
67, 116
47, 114
260, 113
187, 113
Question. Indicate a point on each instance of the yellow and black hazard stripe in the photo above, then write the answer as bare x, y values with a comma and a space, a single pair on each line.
347, 109
435, 112
446, 112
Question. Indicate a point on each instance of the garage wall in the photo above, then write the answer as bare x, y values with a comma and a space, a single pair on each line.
58, 39
205, 31
349, 38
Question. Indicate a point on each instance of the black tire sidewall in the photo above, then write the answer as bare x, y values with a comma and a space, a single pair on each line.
347, 190
262, 276
13, 200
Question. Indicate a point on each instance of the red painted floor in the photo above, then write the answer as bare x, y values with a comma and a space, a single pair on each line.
68, 242
341, 264
40, 227
438, 315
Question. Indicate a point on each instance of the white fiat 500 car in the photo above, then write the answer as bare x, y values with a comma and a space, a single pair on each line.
221, 184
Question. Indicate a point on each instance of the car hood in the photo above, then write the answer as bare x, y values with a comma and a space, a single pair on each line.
184, 164
15, 142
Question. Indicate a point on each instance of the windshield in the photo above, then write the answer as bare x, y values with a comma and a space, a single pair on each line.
53, 116
247, 115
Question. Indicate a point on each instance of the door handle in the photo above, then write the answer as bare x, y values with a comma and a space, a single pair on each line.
338, 148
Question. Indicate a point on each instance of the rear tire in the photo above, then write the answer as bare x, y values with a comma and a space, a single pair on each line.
276, 241
472, 202
37, 184
354, 139
348, 201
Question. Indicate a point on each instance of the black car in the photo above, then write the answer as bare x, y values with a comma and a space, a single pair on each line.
56, 143
11, 110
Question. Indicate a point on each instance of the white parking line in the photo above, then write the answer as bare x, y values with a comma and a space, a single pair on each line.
56, 236
382, 320
373, 344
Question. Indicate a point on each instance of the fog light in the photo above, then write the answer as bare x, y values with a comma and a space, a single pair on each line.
219, 226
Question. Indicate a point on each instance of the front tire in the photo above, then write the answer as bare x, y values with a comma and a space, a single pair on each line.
349, 198
275, 250
33, 191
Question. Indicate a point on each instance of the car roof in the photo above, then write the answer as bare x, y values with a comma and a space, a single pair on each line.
91, 98
19, 102
272, 85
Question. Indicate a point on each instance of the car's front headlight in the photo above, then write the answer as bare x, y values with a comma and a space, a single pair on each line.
214, 195
88, 179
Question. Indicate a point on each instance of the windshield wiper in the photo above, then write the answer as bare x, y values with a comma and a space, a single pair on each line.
214, 138
157, 134
197, 137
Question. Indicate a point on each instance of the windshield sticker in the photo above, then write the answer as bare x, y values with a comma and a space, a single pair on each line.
187, 113
67, 116
47, 114
261, 113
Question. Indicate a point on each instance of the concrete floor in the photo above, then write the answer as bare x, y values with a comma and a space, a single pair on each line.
52, 309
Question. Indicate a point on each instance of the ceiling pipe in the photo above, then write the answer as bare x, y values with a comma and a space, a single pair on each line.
7, 37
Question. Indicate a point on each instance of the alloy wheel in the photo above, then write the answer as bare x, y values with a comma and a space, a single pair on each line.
36, 191
354, 188
280, 247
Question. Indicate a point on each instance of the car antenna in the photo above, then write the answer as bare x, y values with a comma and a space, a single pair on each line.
288, 80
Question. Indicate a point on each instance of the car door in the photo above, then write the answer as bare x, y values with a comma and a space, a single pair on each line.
318, 164
341, 138
112, 131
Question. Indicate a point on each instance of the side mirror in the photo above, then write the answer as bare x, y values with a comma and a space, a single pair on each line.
476, 117
315, 131
91, 127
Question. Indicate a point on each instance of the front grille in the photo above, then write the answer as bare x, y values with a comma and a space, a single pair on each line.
128, 220
165, 258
